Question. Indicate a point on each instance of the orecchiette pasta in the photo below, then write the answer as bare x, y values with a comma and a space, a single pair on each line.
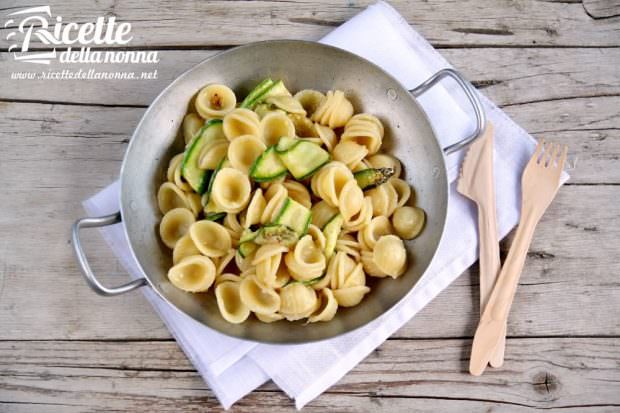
351, 296
371, 233
382, 160
330, 180
211, 238
370, 267
361, 219
275, 196
350, 153
408, 221
267, 262
274, 126
173, 165
170, 196
229, 302
327, 307
327, 136
384, 200
243, 151
284, 204
234, 228
317, 236
282, 276
310, 100
403, 190
349, 245
365, 130
255, 209
350, 200
174, 225
348, 280
193, 274
227, 277
306, 261
174, 173
215, 101
288, 104
298, 192
390, 255
334, 111
258, 297
297, 301
241, 122
184, 247
269, 318
222, 262
245, 263
231, 190
322, 212
193, 200
211, 155
304, 127
344, 272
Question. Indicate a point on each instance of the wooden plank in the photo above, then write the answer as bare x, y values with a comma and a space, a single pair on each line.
445, 23
402, 375
507, 75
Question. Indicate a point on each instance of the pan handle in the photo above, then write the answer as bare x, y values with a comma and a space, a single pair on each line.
472, 96
87, 272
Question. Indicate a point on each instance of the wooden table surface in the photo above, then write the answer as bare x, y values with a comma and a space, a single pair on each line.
552, 65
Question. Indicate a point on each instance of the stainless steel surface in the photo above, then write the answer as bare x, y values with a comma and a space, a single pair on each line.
301, 65
87, 272
472, 96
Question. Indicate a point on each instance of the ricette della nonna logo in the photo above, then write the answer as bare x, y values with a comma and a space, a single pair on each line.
37, 36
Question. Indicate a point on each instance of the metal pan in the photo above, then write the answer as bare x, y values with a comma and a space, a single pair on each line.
302, 65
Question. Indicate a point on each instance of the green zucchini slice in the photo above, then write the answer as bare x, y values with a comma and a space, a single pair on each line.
198, 178
295, 216
246, 242
267, 166
276, 233
264, 90
372, 177
223, 164
248, 235
277, 89
285, 143
331, 230
251, 99
303, 159
215, 216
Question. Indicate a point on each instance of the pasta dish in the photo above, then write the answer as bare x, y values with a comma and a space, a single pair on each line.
284, 204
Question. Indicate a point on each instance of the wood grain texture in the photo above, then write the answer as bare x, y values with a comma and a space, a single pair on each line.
602, 9
590, 126
65, 139
509, 76
447, 23
551, 64
403, 375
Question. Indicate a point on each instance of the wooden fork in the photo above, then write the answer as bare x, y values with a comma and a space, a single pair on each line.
539, 184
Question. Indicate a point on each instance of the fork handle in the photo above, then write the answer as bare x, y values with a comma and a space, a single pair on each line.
491, 328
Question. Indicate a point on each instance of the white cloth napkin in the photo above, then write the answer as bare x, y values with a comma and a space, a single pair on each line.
232, 367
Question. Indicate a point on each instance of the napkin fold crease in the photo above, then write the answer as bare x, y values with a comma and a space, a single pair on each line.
232, 367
